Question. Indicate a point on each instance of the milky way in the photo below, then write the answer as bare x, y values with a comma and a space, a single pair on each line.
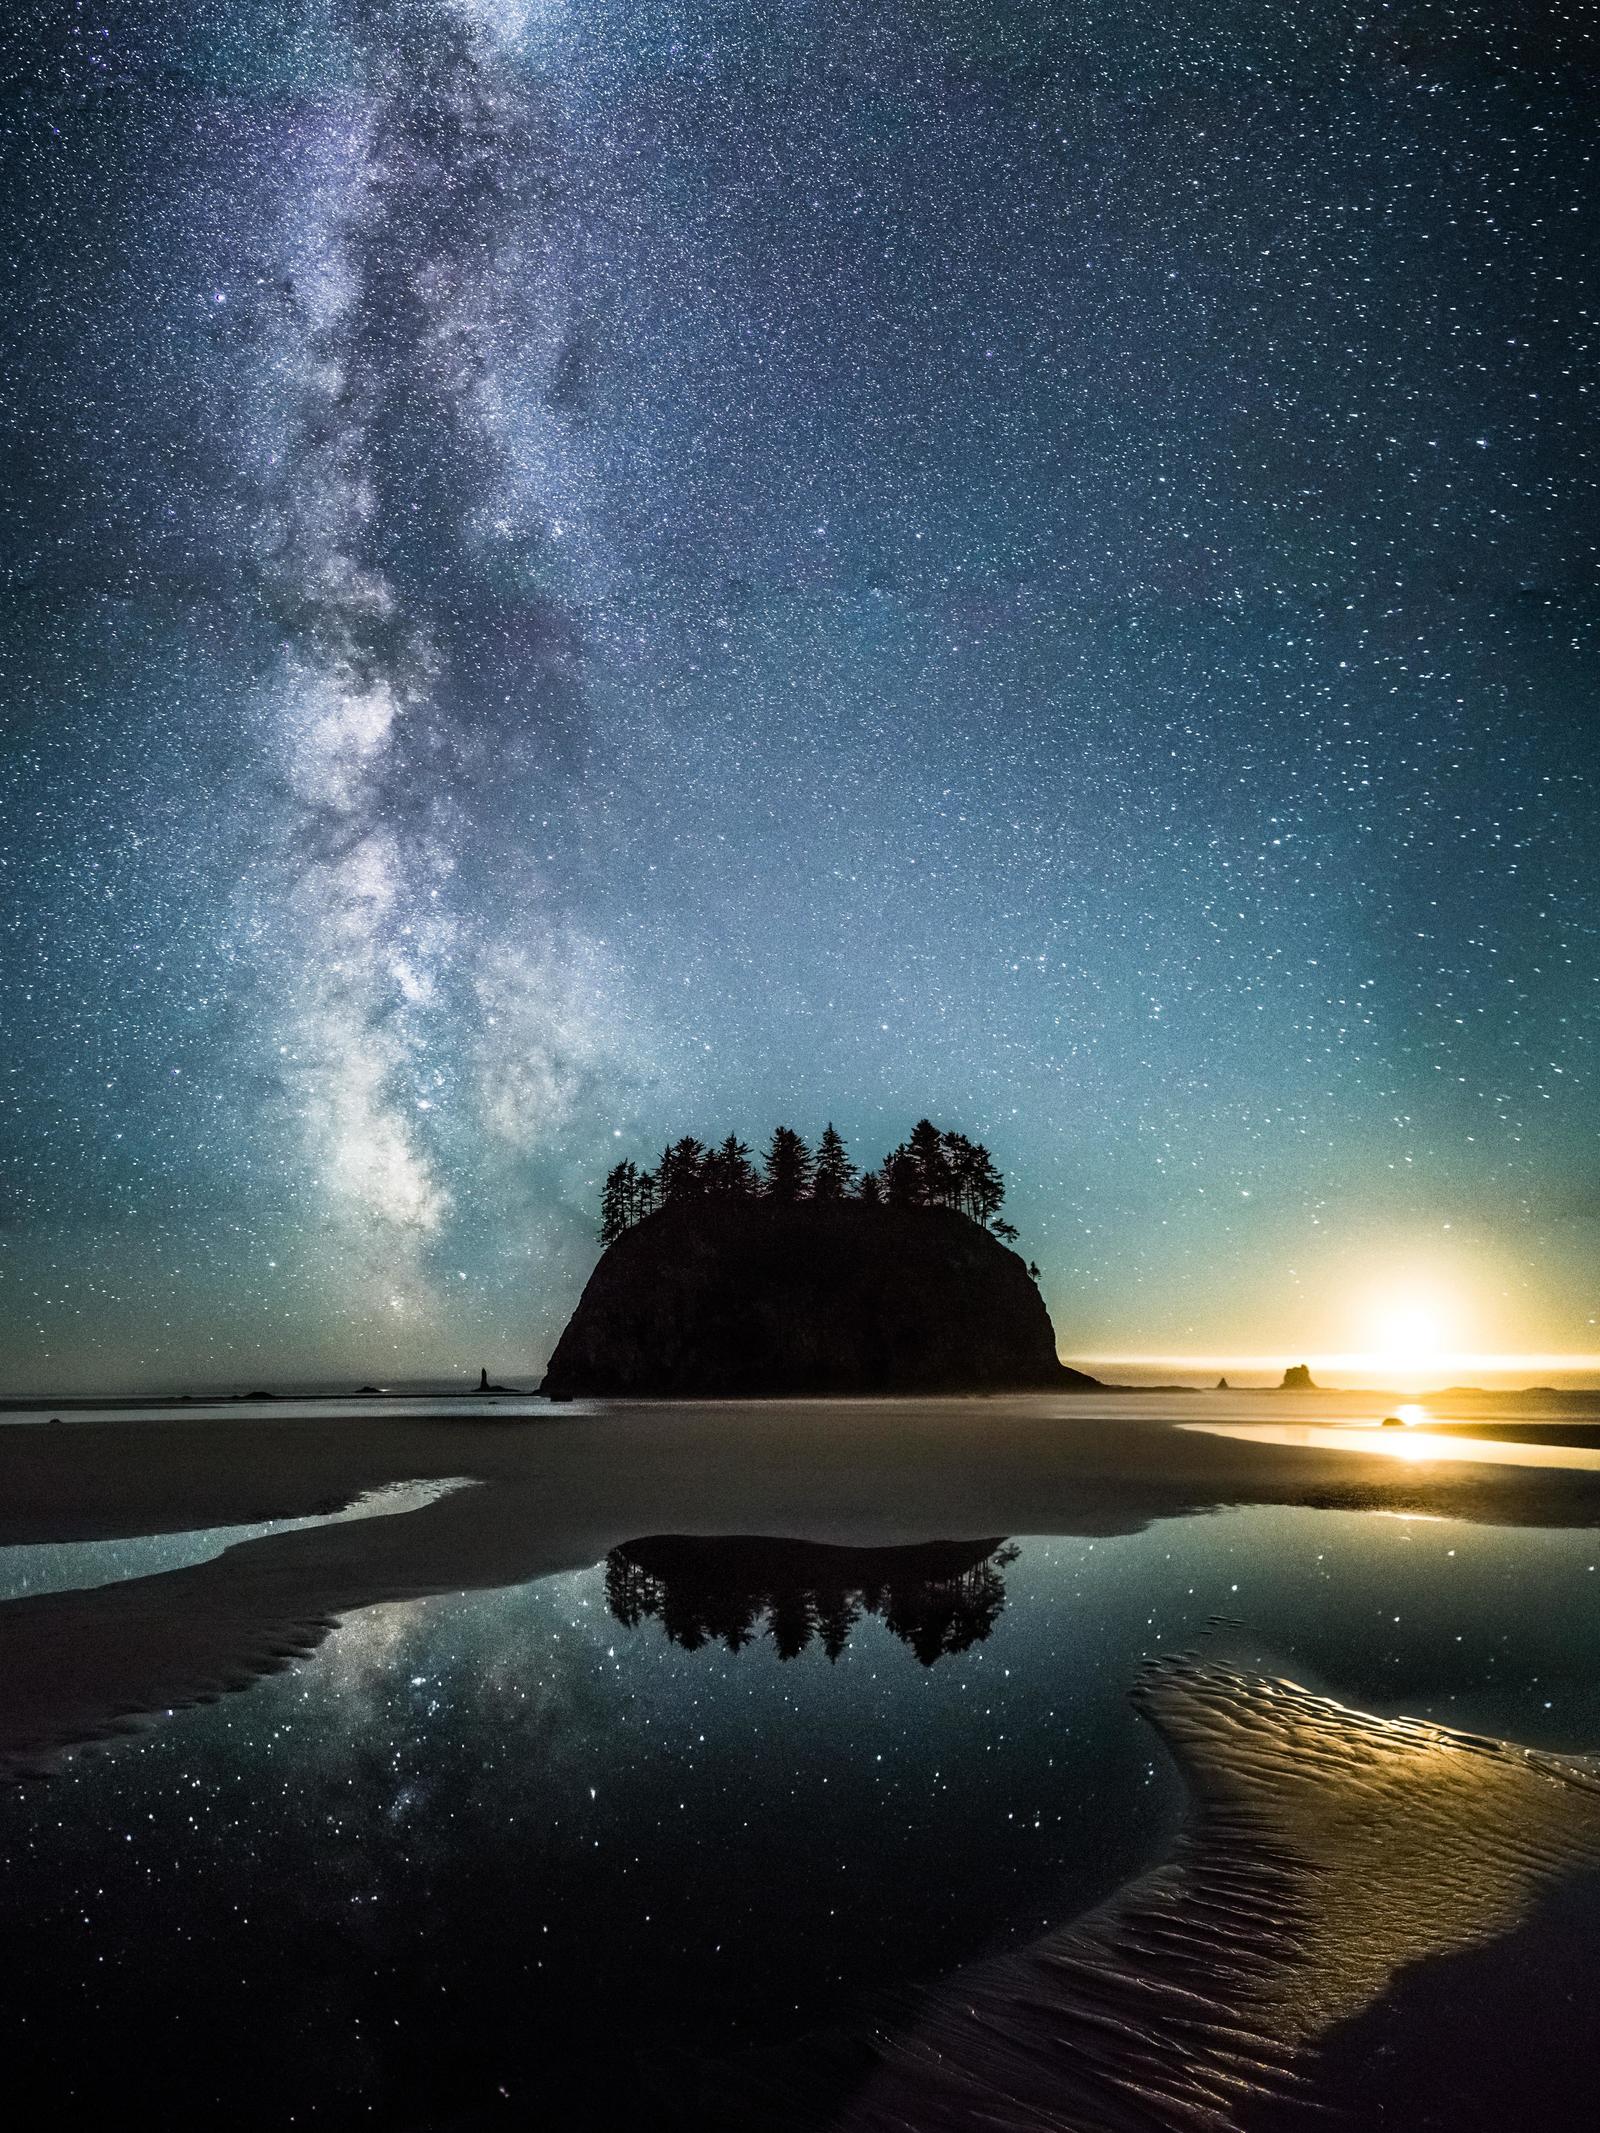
579, 570
401, 555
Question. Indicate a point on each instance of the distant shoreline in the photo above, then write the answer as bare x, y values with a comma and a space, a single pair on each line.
129, 1402
266, 1397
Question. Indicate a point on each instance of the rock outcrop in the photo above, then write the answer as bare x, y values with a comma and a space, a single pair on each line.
725, 1298
1297, 1378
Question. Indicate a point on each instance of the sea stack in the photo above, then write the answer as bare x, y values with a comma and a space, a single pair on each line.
716, 1297
1297, 1378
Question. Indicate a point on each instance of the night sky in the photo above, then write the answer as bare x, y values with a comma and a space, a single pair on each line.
575, 571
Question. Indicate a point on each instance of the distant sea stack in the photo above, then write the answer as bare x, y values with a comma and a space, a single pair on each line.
1297, 1378
733, 1298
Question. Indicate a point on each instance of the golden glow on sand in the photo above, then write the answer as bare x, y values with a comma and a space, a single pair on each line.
1413, 1447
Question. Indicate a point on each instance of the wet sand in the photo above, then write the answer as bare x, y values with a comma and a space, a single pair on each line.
1327, 1853
560, 1489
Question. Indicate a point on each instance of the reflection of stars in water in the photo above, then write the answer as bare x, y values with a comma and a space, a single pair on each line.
484, 1788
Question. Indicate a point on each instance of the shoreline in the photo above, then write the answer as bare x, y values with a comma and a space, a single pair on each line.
376, 1399
558, 1493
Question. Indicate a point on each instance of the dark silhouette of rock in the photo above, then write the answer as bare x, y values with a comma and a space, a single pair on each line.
718, 1297
1297, 1378
487, 1384
1393, 1422
1223, 1385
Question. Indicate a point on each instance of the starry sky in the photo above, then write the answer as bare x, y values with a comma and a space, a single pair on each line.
574, 571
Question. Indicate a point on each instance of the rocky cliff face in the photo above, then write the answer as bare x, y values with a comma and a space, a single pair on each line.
714, 1297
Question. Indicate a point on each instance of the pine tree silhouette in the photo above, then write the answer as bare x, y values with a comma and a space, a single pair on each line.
930, 1168
788, 1167
704, 1592
618, 1199
926, 1148
835, 1172
680, 1175
728, 1171
902, 1181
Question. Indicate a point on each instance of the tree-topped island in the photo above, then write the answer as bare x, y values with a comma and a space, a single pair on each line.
804, 1274
928, 1169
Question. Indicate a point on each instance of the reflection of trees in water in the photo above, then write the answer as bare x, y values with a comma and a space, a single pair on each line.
938, 1597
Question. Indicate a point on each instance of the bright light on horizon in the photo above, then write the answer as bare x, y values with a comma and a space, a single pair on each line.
1405, 1323
1410, 1340
1359, 1366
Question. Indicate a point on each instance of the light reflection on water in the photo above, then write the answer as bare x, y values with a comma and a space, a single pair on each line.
1411, 1442
505, 1841
79, 1566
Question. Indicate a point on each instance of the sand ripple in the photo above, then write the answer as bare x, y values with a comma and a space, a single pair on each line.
1326, 1850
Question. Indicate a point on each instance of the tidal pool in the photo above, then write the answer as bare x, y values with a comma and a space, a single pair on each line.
79, 1566
659, 1843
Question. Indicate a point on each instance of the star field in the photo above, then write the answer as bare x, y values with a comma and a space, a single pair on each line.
575, 573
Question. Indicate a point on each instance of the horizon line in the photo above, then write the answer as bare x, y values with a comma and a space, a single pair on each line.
1500, 1362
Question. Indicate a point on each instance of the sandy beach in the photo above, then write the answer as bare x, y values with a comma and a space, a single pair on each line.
556, 1491
1148, 1815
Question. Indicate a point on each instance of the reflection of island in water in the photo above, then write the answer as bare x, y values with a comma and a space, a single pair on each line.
939, 1596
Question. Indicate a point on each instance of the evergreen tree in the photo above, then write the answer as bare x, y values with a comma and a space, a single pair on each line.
617, 1201
960, 1158
791, 1621
979, 1188
788, 1167
729, 1171
902, 1180
926, 1148
680, 1174
630, 1593
989, 1187
835, 1172
969, 1180
928, 1169
837, 1615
